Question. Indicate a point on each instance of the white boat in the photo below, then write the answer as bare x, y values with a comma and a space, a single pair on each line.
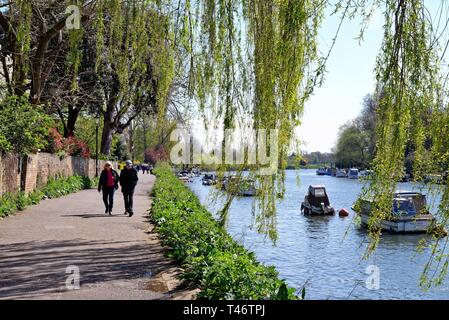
341, 173
409, 214
243, 187
321, 171
365, 173
353, 173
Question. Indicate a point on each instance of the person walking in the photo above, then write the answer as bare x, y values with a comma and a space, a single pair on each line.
128, 181
108, 183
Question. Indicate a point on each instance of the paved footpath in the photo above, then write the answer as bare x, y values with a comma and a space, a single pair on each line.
118, 257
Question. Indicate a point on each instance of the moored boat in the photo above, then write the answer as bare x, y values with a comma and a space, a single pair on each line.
209, 179
243, 187
316, 202
365, 173
409, 214
321, 171
353, 173
341, 173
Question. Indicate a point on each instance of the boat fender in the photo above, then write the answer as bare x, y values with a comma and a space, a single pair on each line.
343, 212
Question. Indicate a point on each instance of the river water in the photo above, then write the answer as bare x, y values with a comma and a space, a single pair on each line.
324, 254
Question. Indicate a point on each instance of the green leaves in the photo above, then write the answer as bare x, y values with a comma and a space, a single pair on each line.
212, 260
24, 127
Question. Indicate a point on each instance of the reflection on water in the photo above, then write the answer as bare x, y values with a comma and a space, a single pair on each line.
325, 253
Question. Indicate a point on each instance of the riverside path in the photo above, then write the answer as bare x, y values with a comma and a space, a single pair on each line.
44, 248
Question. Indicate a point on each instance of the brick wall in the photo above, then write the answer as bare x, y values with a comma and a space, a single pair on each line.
9, 173
33, 171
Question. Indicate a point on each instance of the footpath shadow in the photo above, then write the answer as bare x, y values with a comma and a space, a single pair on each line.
34, 268
95, 215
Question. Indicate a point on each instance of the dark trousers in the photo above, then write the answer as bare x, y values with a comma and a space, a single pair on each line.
128, 196
108, 197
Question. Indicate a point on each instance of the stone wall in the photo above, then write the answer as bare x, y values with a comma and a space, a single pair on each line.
33, 171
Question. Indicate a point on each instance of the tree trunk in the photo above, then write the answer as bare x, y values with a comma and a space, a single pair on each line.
106, 136
69, 130
145, 145
131, 140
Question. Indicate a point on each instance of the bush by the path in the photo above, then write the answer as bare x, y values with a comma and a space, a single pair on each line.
213, 261
11, 203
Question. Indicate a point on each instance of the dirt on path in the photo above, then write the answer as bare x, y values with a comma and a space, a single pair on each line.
118, 257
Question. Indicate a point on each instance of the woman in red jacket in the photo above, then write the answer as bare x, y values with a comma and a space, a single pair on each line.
109, 179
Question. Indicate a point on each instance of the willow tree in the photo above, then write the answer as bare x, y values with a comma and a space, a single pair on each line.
412, 109
253, 65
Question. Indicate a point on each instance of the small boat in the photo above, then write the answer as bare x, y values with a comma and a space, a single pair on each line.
244, 188
209, 179
341, 173
353, 173
365, 173
321, 171
329, 172
184, 179
196, 172
434, 178
185, 176
409, 214
316, 202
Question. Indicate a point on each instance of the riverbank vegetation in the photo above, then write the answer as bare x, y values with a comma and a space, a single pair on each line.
135, 70
212, 260
55, 188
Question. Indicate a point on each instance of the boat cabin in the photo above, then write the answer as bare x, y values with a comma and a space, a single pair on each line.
316, 202
317, 195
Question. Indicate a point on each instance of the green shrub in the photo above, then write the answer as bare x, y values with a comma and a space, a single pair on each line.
90, 183
213, 261
24, 127
35, 197
21, 200
7, 205
63, 186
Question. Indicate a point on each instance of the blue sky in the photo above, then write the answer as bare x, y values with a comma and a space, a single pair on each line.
350, 75
349, 78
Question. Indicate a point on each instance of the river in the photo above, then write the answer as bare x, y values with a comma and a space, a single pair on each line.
325, 253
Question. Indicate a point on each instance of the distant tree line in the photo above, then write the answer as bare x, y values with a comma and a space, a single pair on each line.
356, 141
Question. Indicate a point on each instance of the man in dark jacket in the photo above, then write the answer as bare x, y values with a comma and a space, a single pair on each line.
108, 183
128, 181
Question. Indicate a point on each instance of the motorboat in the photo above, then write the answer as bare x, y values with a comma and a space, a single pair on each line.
209, 179
321, 171
239, 186
185, 176
409, 214
316, 202
341, 173
353, 173
365, 173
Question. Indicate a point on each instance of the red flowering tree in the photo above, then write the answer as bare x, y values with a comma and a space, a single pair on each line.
158, 153
71, 146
